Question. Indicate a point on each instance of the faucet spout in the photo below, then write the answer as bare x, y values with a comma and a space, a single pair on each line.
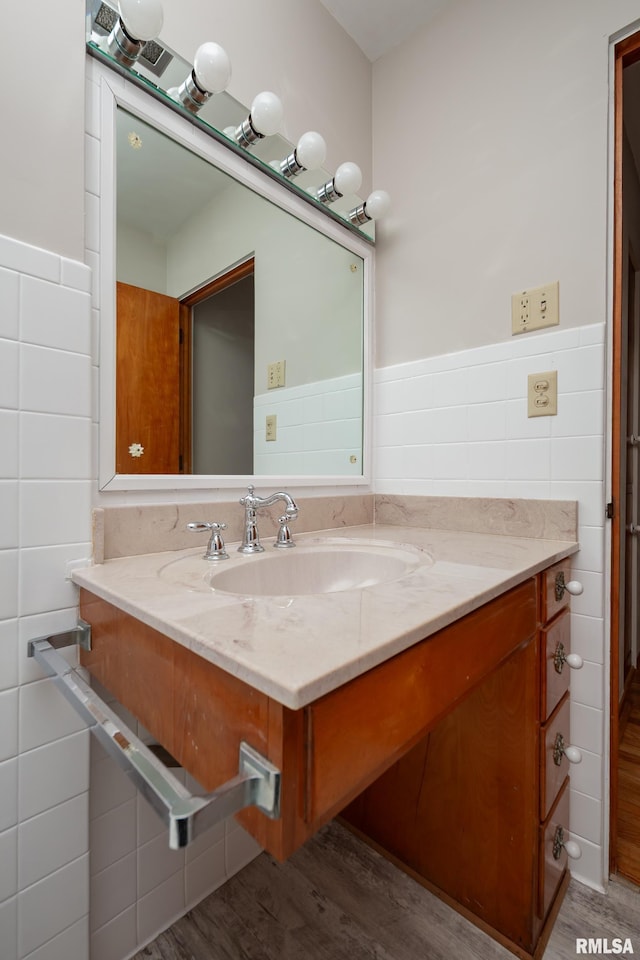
251, 503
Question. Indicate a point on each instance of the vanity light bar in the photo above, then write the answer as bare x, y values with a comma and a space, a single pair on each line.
101, 15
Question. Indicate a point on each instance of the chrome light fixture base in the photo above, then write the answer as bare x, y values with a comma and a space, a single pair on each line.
245, 135
192, 96
327, 193
123, 47
358, 216
289, 167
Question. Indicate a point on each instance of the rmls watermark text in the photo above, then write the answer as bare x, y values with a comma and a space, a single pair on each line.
601, 945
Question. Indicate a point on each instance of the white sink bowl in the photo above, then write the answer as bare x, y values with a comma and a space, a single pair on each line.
321, 565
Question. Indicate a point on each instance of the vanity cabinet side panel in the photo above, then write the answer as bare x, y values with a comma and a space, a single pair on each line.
460, 810
198, 712
287, 751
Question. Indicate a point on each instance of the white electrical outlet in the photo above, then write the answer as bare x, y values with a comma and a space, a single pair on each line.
536, 308
271, 427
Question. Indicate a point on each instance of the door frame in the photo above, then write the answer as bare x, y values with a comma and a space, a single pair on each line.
625, 53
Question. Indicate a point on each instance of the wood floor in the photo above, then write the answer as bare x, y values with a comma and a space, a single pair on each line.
628, 844
336, 899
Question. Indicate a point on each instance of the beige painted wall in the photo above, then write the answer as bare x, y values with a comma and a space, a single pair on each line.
42, 118
504, 182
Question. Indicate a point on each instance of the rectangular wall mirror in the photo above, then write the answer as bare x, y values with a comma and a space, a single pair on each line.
235, 328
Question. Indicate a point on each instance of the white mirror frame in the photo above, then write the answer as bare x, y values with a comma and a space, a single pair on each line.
117, 91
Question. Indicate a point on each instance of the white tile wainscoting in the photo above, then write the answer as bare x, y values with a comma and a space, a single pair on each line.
319, 429
45, 498
457, 425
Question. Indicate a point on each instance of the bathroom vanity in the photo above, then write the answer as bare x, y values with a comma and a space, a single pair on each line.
425, 708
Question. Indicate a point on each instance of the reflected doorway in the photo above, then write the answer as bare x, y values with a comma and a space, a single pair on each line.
185, 378
219, 373
222, 388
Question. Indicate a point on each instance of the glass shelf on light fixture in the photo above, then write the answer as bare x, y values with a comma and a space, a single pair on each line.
223, 111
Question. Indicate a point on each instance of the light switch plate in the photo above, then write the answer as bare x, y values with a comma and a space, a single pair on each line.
542, 394
536, 308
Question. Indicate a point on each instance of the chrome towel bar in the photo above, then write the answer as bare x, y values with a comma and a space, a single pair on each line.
187, 815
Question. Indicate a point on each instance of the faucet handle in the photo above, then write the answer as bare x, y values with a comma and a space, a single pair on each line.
284, 538
215, 548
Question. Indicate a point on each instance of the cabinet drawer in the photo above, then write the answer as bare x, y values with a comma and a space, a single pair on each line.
553, 857
556, 639
554, 766
552, 597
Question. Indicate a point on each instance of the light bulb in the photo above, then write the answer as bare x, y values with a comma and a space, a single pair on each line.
377, 204
266, 114
211, 74
142, 18
212, 68
347, 178
309, 154
311, 150
139, 21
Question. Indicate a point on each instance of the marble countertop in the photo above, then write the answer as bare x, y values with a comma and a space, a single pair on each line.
296, 649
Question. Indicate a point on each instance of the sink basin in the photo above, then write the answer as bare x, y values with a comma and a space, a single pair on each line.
322, 565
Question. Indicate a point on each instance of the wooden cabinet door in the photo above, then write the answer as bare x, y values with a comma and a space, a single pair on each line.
147, 382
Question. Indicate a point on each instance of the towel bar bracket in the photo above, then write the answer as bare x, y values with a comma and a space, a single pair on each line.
187, 815
79, 635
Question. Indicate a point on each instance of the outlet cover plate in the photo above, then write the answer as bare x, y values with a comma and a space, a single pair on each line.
536, 308
276, 374
271, 426
542, 394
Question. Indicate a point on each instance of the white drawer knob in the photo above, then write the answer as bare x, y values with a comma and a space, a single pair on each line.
573, 754
574, 587
562, 749
559, 843
573, 849
560, 658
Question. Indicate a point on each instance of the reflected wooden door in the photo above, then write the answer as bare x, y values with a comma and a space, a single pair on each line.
147, 382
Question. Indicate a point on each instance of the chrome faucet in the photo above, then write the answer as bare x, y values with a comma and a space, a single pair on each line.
216, 548
251, 503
